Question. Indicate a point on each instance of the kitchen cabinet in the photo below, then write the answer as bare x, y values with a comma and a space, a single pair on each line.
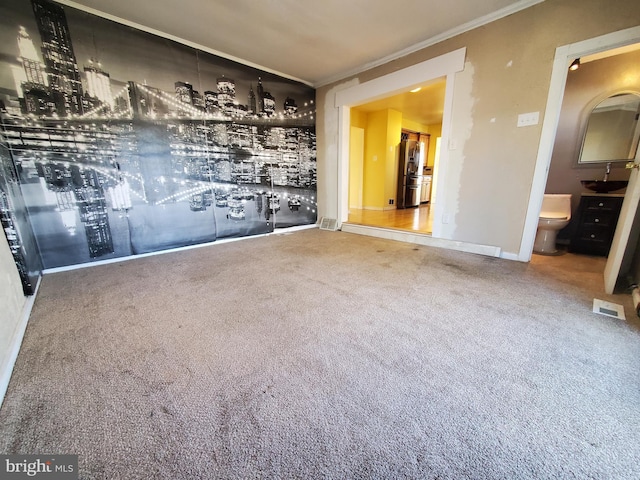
596, 221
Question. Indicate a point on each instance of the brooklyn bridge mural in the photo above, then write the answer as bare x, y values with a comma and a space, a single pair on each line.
117, 142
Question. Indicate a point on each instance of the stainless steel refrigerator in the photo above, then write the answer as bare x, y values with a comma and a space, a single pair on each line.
410, 167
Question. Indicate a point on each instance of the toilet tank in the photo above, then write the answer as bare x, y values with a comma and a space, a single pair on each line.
556, 205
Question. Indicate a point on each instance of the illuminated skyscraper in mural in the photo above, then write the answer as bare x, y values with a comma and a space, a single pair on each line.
269, 104
266, 101
31, 81
33, 67
252, 101
260, 105
198, 101
210, 101
184, 96
184, 92
226, 94
59, 59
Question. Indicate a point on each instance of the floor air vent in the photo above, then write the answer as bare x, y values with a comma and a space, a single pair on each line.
328, 224
609, 309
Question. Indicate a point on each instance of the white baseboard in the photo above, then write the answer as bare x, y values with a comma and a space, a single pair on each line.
6, 368
277, 231
421, 239
510, 256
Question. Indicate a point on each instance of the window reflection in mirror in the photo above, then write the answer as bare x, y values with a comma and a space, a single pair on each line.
612, 130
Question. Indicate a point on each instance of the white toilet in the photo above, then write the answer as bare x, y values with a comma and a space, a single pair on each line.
554, 216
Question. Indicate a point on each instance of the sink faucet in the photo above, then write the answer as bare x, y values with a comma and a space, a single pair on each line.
607, 172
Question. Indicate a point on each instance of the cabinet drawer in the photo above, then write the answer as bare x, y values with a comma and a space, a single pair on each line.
595, 235
601, 203
598, 218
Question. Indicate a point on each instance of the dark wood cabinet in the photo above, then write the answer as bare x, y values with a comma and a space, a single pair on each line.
596, 222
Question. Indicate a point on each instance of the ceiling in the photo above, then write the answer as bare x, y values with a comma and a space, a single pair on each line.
315, 42
308, 40
425, 107
610, 53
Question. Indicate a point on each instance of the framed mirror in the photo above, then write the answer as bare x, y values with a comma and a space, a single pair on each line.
612, 130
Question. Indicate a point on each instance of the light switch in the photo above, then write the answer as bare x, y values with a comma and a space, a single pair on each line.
527, 119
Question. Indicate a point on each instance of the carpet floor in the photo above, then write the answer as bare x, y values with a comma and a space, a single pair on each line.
321, 354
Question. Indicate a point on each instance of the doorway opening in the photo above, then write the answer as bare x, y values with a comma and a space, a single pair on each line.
550, 135
582, 155
379, 131
393, 84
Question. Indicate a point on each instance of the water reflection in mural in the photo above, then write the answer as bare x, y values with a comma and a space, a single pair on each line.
15, 224
116, 164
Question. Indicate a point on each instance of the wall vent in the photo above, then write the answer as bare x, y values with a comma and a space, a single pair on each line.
328, 224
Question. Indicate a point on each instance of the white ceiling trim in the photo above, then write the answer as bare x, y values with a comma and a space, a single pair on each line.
402, 80
509, 10
188, 43
465, 27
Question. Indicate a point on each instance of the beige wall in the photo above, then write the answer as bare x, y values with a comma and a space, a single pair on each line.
507, 72
12, 302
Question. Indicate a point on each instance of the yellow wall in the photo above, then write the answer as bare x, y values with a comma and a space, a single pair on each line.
394, 130
434, 131
413, 126
356, 157
382, 137
374, 158
356, 165
358, 118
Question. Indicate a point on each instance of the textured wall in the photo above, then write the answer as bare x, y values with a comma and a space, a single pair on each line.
507, 72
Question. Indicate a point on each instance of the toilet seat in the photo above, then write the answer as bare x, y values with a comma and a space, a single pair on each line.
550, 217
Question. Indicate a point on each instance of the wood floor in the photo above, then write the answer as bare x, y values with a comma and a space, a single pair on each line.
417, 219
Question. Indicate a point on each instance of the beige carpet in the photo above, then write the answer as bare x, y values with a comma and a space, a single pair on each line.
327, 355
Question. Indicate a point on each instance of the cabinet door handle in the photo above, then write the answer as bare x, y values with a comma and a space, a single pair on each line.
601, 204
597, 220
593, 236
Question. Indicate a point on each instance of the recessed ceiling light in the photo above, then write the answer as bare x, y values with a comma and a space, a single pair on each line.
575, 64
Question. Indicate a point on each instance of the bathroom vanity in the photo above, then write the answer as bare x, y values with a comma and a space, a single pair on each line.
596, 222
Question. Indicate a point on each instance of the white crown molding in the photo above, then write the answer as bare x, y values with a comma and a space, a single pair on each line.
465, 27
137, 26
478, 22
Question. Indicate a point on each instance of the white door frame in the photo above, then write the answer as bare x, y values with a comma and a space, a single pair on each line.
403, 80
623, 230
563, 58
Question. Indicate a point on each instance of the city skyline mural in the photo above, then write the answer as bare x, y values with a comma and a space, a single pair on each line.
124, 143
